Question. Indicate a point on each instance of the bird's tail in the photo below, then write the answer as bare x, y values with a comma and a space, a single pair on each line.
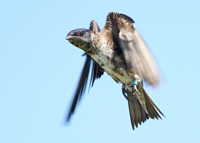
137, 112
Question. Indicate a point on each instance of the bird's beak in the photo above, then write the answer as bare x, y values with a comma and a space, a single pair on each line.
70, 37
67, 38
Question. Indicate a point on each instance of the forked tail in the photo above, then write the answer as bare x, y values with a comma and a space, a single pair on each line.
137, 113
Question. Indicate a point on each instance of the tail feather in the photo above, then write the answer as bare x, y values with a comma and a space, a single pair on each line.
153, 104
138, 114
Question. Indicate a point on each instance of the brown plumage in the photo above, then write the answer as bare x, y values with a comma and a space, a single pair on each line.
119, 50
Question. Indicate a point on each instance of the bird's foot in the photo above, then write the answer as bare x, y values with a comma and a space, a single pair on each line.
135, 84
131, 89
135, 89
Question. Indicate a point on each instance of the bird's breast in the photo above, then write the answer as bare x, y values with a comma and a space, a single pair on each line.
113, 65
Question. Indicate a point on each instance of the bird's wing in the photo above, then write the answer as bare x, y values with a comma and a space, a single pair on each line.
97, 71
137, 55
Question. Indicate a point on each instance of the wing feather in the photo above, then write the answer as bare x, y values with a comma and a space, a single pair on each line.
137, 55
97, 72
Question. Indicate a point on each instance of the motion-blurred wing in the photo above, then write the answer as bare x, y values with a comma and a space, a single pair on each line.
137, 55
97, 71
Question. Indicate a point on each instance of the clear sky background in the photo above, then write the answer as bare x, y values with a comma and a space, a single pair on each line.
39, 71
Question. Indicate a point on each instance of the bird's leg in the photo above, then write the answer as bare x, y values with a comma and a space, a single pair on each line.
135, 84
131, 89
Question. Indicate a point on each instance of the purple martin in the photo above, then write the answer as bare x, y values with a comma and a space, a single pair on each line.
119, 50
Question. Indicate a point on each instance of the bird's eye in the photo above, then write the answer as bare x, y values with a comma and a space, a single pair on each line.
81, 33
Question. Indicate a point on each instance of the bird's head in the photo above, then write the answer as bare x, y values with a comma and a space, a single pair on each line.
81, 38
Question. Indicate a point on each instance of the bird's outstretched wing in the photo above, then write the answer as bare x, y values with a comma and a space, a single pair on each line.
97, 72
137, 55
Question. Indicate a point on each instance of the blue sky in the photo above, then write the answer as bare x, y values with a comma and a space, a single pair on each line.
39, 71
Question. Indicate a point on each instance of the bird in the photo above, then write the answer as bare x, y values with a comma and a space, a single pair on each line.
120, 51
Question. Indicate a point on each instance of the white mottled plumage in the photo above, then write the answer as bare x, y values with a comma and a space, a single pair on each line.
103, 58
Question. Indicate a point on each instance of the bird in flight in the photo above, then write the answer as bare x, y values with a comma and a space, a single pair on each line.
119, 50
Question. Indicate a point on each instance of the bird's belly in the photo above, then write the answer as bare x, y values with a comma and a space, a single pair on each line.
115, 68
122, 77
